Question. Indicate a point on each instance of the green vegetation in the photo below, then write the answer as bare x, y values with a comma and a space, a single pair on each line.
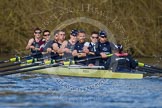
137, 24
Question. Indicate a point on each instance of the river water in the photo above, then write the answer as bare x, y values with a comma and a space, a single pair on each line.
48, 91
40, 91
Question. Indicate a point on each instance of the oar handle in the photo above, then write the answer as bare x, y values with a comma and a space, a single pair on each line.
141, 64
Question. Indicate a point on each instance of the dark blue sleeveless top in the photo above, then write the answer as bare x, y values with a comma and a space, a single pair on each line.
79, 47
55, 55
105, 47
70, 46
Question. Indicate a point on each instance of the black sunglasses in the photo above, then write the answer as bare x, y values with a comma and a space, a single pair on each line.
37, 32
94, 37
103, 37
47, 35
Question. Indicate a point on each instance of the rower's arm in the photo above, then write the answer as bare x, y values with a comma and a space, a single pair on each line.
64, 44
55, 47
75, 53
29, 45
85, 49
63, 47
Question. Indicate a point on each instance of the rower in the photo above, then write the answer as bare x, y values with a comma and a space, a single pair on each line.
46, 47
104, 47
35, 43
57, 52
68, 46
120, 61
92, 48
79, 52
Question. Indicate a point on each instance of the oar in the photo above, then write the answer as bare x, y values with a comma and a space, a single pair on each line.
10, 60
52, 61
30, 69
149, 68
17, 58
21, 67
9, 65
28, 63
18, 63
91, 58
31, 61
82, 60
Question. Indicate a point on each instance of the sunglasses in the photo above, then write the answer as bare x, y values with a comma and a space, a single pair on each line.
47, 35
103, 37
94, 37
37, 32
62, 34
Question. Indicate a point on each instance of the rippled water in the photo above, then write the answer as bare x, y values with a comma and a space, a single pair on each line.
36, 90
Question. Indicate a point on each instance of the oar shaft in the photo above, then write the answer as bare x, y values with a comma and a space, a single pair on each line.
20, 67
17, 58
92, 58
153, 67
5, 61
8, 65
82, 60
150, 70
31, 69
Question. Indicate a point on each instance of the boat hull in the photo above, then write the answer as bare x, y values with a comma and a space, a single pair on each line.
91, 73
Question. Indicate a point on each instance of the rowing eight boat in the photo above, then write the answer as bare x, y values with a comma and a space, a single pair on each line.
88, 72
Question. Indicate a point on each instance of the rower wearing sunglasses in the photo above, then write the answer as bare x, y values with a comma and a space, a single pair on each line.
104, 47
46, 47
35, 43
92, 48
